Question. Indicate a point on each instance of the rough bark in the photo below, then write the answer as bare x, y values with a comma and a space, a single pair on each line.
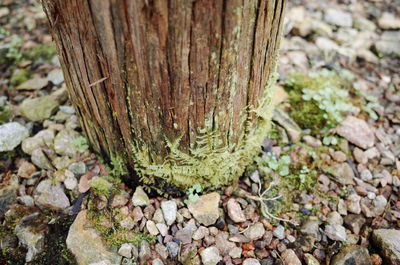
179, 90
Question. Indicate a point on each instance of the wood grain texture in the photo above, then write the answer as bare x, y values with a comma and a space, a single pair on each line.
144, 72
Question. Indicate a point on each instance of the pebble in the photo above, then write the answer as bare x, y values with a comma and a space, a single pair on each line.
354, 222
144, 251
360, 156
289, 257
389, 21
279, 232
356, 131
126, 250
336, 232
353, 203
255, 231
235, 211
162, 228
49, 196
205, 210
157, 261
200, 233
235, 252
366, 175
338, 18
210, 256
152, 228
140, 197
11, 135
38, 109
173, 249
70, 183
56, 76
35, 83
310, 228
251, 261
169, 209
334, 218
78, 168
26, 170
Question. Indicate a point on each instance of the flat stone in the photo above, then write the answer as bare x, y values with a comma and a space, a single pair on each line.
235, 211
157, 261
353, 254
35, 83
334, 218
49, 196
144, 252
279, 232
389, 21
223, 244
173, 249
205, 209
235, 252
38, 109
11, 135
185, 235
388, 241
210, 256
356, 131
338, 17
86, 243
169, 209
140, 197
310, 228
389, 43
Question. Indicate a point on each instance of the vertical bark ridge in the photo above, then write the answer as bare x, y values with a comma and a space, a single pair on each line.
186, 83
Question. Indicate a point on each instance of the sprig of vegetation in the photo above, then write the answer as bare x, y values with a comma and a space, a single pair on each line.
279, 165
81, 144
193, 193
319, 100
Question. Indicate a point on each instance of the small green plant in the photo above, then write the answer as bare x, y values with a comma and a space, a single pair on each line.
329, 140
101, 186
41, 51
81, 144
14, 52
193, 193
306, 178
118, 167
279, 165
319, 100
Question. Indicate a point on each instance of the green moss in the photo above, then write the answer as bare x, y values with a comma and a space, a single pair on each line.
210, 162
20, 76
100, 186
41, 51
319, 101
112, 233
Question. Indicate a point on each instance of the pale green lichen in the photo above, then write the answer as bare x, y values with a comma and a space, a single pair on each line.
211, 162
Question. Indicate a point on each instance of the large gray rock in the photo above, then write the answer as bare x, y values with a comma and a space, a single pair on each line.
11, 135
205, 209
356, 131
388, 241
353, 254
86, 244
49, 196
38, 109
